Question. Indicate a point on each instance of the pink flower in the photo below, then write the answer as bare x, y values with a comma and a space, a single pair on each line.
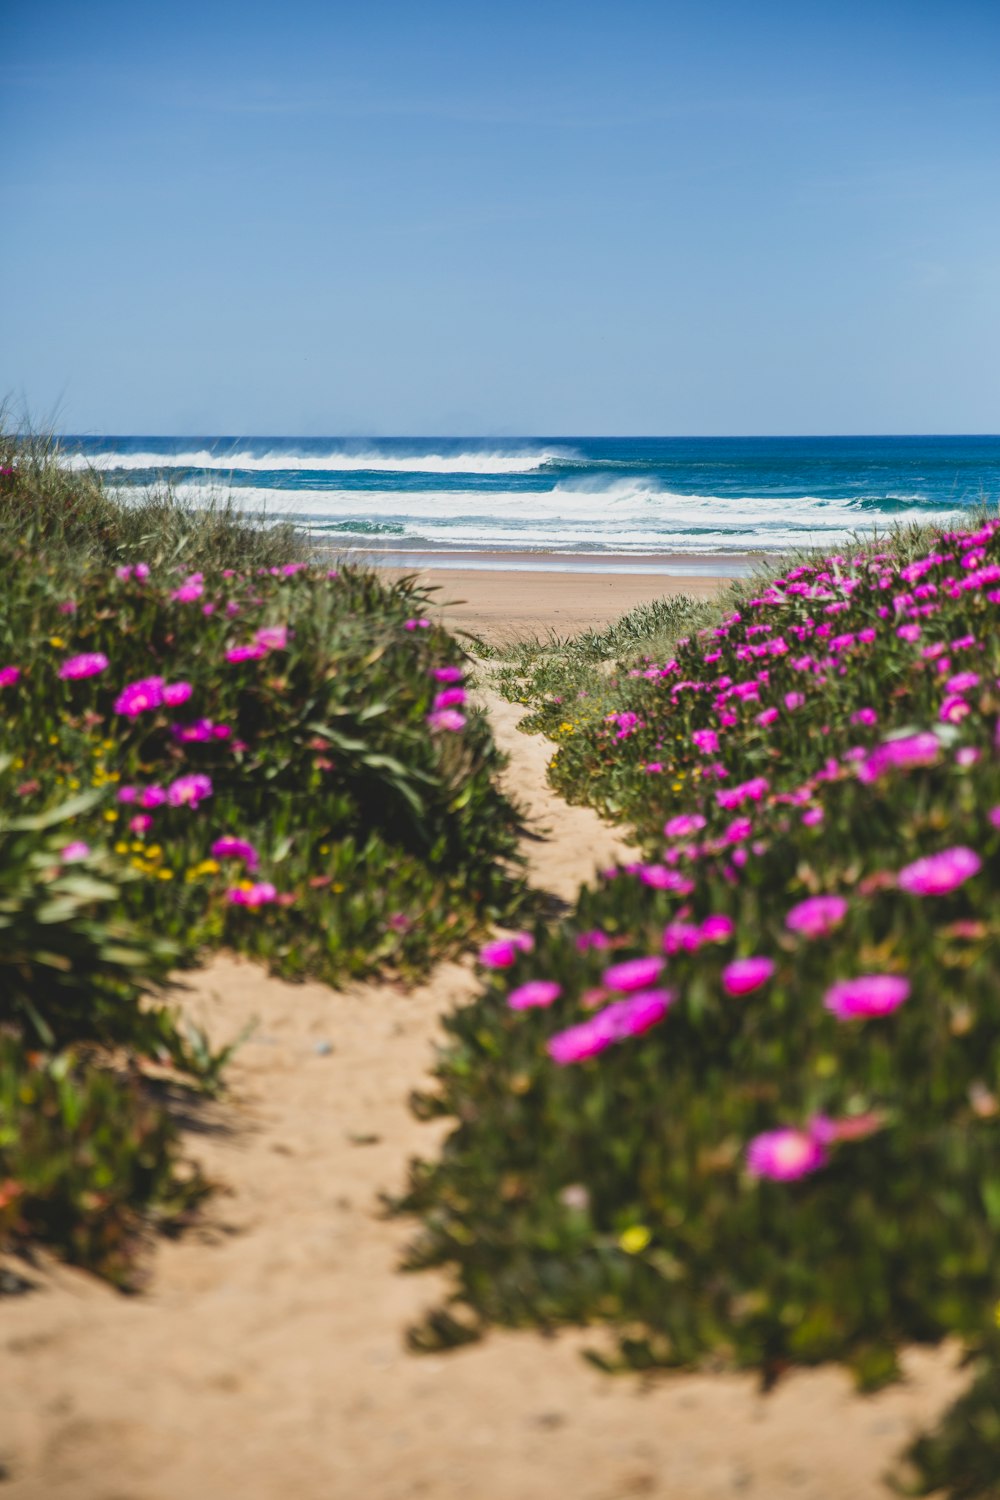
623, 1019
152, 796
596, 939
87, 665
254, 652
902, 755
140, 697
230, 847
8, 676
748, 791
188, 791
813, 817
141, 572
768, 716
416, 624
141, 823
261, 894
817, 916
190, 590
452, 697
272, 637
659, 878
197, 733
794, 700
866, 995
938, 874
681, 937
953, 710
503, 952
537, 992
994, 816
447, 674
784, 1155
128, 794
864, 716
706, 740
962, 682
684, 825
744, 975
717, 929
176, 693
633, 974
448, 719
70, 854
909, 632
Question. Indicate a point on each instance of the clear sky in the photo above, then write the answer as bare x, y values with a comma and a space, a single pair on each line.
496, 217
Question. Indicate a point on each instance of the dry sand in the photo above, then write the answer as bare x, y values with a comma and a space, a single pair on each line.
502, 606
267, 1359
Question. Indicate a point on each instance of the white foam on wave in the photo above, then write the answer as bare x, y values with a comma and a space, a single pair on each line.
474, 461
623, 516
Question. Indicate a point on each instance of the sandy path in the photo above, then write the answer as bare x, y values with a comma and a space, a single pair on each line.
266, 1360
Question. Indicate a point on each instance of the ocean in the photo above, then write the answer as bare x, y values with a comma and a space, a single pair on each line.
570, 502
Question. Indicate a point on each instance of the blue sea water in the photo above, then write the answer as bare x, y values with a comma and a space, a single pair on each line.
584, 499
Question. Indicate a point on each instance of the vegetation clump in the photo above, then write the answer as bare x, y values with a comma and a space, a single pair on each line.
201, 744
744, 1102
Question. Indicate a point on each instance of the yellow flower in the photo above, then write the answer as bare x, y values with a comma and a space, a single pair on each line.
109, 815
337, 887
164, 874
57, 641
634, 1239
122, 848
996, 1315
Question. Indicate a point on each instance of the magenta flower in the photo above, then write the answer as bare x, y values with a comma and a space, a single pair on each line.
87, 665
272, 637
141, 572
794, 700
633, 974
768, 716
660, 878
191, 589
938, 874
962, 682
261, 894
254, 652
784, 1155
188, 791
953, 710
8, 676
744, 975
900, 755
706, 740
152, 796
503, 952
717, 929
866, 995
128, 794
599, 940
230, 847
141, 823
176, 693
448, 719
623, 1019
140, 697
817, 916
864, 716
994, 816
416, 624
197, 733
447, 674
537, 992
452, 697
577, 1043
71, 854
684, 825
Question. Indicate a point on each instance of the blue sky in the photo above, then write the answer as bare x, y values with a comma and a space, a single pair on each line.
731, 216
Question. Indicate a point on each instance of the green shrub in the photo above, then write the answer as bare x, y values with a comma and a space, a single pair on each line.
731, 1168
88, 1163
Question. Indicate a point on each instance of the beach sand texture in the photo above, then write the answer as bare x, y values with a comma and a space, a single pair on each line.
267, 1357
501, 606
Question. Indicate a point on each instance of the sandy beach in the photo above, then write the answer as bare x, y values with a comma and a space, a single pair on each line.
500, 604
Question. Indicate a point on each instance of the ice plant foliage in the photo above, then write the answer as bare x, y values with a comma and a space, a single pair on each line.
813, 775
